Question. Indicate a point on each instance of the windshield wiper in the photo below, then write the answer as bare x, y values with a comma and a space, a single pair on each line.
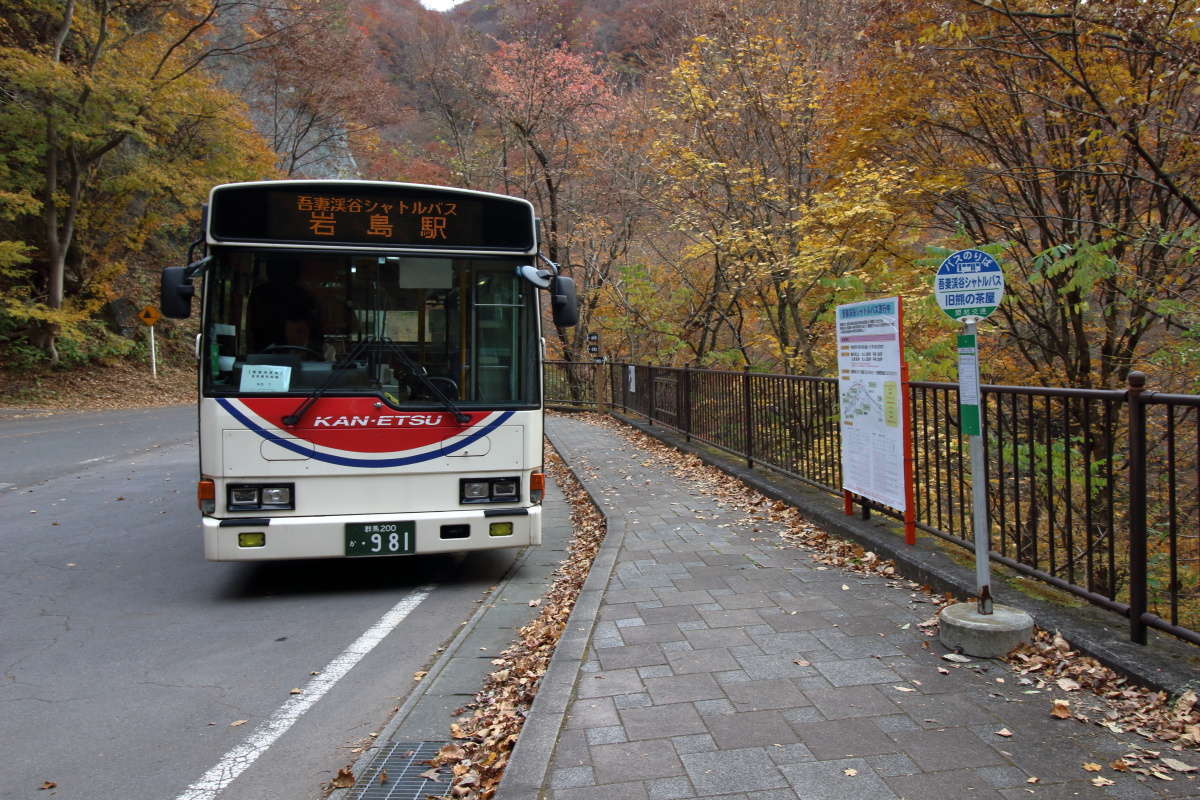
379, 345
344, 363
418, 372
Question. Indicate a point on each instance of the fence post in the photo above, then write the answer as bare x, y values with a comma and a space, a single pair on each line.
650, 405
624, 370
748, 410
686, 405
612, 387
1137, 507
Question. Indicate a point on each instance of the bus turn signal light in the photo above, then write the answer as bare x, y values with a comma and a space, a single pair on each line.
537, 486
206, 496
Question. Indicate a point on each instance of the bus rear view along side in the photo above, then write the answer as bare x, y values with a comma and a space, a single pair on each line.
370, 369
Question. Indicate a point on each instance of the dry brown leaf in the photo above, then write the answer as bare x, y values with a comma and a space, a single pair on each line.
1178, 766
1061, 709
1092, 766
296, 691
1100, 780
238, 722
1067, 684
432, 774
1032, 779
1005, 732
344, 779
420, 674
47, 785
850, 771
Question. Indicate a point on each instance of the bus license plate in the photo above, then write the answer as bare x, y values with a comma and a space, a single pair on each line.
381, 538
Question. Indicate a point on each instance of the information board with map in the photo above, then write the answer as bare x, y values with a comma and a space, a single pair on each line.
871, 389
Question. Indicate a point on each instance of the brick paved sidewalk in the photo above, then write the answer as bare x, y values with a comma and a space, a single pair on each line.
722, 667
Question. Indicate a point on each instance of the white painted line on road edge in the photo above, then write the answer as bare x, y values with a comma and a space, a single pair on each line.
239, 758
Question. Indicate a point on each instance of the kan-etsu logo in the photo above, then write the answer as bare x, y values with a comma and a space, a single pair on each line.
380, 421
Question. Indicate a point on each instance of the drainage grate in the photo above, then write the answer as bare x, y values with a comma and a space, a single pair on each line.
404, 762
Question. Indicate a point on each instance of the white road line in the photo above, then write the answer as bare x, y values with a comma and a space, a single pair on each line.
239, 758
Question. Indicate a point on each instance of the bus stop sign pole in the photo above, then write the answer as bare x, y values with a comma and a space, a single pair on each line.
968, 416
969, 287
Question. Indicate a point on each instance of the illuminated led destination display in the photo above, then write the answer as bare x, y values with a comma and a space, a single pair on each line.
378, 216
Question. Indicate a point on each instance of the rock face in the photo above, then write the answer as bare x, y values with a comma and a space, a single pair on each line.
120, 316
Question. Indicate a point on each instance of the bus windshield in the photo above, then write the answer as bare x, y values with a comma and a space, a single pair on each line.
284, 322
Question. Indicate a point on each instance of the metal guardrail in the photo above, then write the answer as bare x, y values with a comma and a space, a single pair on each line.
1095, 492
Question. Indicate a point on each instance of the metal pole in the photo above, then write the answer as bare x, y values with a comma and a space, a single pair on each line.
1137, 507
969, 390
153, 355
687, 402
748, 413
650, 405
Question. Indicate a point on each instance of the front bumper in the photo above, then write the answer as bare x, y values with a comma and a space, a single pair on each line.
324, 537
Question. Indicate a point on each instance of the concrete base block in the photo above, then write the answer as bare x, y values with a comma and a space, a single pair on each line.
993, 635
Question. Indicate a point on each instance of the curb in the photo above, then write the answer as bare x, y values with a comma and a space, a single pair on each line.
385, 734
1165, 664
526, 774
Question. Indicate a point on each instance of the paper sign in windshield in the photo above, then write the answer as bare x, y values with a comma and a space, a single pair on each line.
265, 378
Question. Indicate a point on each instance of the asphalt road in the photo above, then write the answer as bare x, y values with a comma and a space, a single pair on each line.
127, 661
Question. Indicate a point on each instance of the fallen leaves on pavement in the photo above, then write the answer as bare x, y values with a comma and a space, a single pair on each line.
1122, 707
486, 738
343, 780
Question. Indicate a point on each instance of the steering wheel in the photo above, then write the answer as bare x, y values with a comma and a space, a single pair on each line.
448, 386
275, 348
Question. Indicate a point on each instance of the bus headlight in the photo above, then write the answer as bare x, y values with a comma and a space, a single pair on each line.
504, 489
489, 490
260, 497
476, 491
278, 496
244, 496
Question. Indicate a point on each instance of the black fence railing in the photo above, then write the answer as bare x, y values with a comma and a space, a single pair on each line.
1095, 492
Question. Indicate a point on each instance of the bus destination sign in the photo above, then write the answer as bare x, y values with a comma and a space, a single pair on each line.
401, 216
367, 218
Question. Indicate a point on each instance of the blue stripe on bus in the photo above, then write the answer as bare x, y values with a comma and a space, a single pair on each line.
358, 462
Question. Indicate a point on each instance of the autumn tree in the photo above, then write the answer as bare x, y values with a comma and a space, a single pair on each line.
1077, 148
316, 91
100, 98
439, 68
546, 104
743, 127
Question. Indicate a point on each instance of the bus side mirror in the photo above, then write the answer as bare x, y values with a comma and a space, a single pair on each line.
176, 293
563, 303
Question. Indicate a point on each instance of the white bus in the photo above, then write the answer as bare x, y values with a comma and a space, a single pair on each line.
370, 369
